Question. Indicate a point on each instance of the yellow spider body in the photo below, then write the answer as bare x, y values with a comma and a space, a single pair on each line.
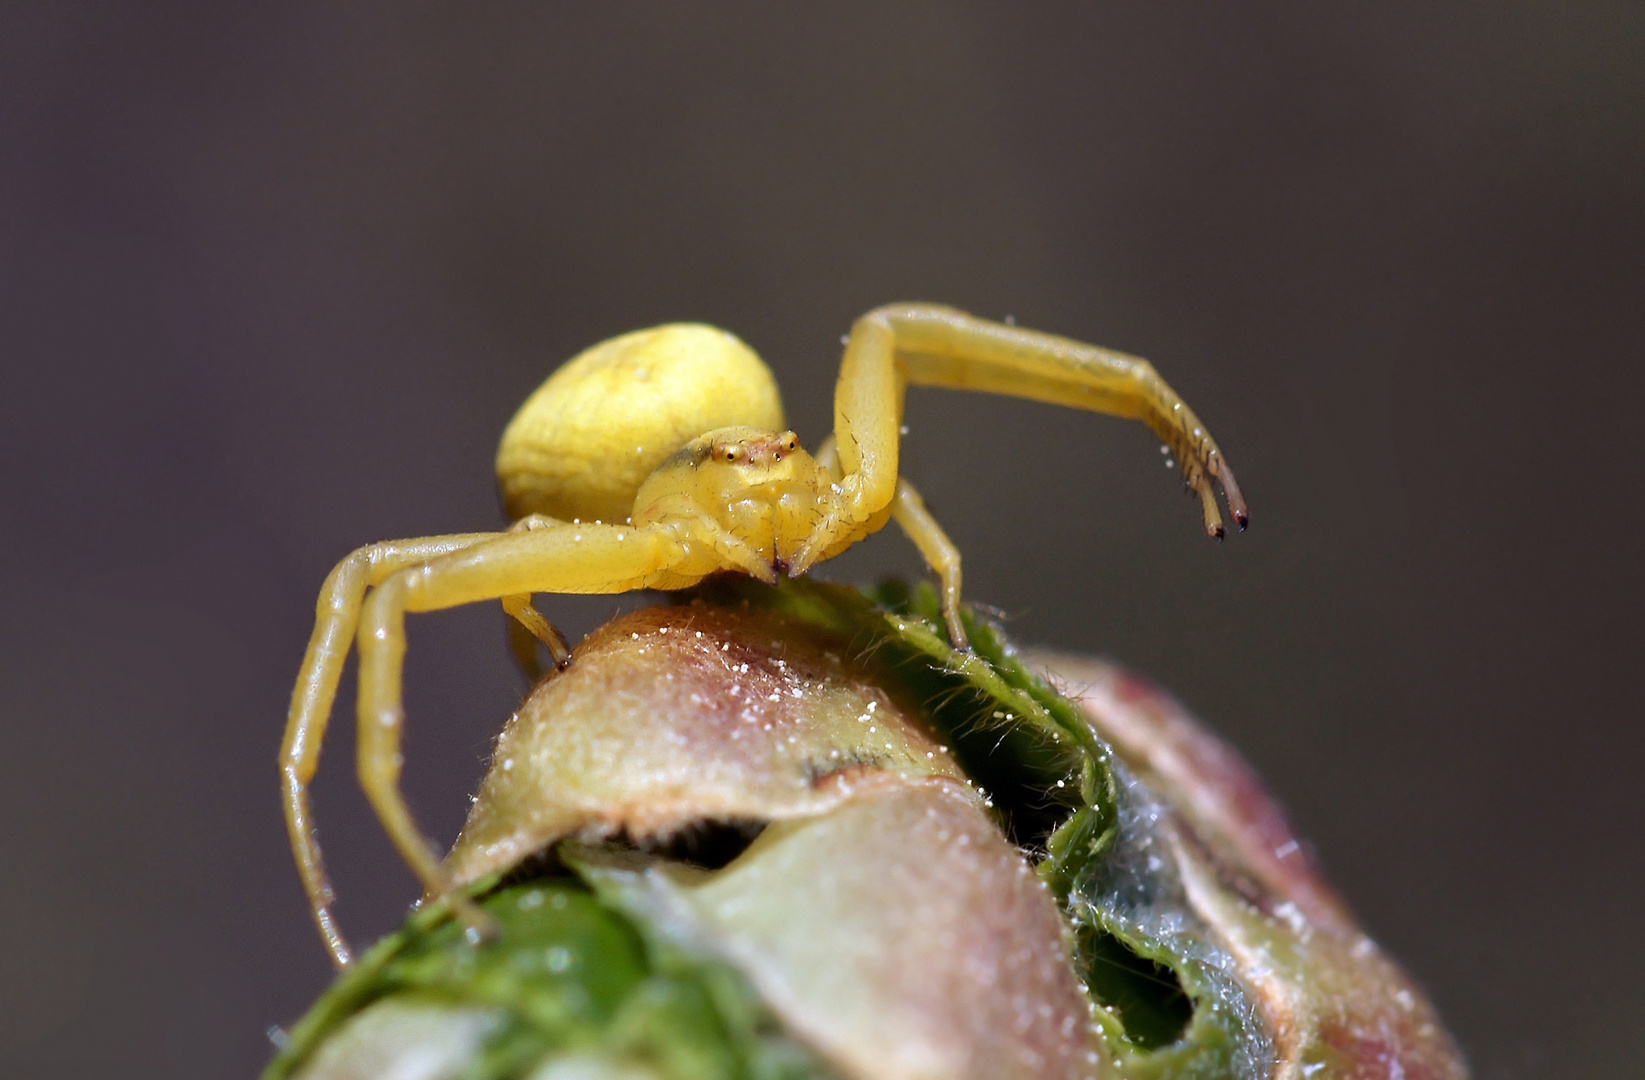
584, 442
657, 458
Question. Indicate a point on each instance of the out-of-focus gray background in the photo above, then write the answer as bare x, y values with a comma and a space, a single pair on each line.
273, 277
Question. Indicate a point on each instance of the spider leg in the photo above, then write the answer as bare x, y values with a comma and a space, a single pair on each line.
336, 617
929, 345
940, 554
526, 625
560, 559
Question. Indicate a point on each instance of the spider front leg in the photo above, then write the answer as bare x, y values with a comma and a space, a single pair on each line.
336, 616
559, 559
930, 345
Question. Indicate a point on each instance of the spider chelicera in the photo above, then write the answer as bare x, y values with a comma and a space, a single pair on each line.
657, 458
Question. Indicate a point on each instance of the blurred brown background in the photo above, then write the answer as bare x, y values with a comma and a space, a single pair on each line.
273, 277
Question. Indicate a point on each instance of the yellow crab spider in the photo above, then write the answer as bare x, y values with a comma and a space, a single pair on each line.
657, 458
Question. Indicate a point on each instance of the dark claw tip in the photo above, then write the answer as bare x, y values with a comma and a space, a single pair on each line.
563, 664
1216, 534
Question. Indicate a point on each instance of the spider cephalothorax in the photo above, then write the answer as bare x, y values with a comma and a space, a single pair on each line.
659, 457
759, 489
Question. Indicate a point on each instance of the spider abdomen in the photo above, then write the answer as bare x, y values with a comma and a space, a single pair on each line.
584, 441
